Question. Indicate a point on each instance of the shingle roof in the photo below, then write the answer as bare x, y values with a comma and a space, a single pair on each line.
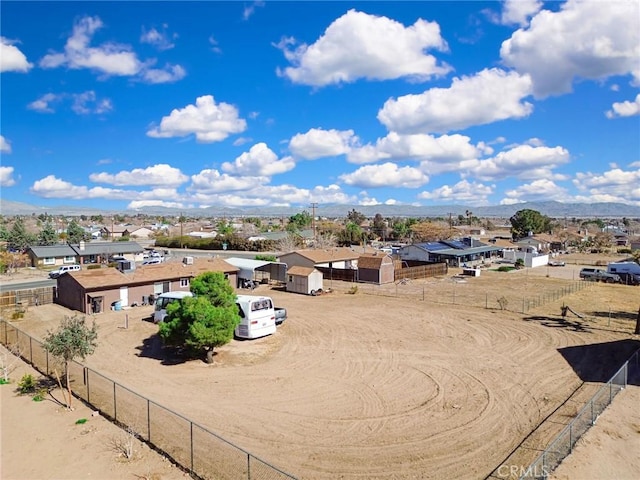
329, 255
302, 271
111, 277
108, 248
373, 261
61, 250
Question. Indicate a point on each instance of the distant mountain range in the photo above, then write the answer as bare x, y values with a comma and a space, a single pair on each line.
550, 209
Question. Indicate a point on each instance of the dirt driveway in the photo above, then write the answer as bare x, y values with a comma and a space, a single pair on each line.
369, 386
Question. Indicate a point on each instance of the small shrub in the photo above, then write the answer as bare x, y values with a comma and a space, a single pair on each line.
505, 268
93, 267
27, 384
40, 395
17, 315
80, 421
353, 290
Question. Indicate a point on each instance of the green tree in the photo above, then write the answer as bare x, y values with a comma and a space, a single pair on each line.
224, 228
75, 233
205, 321
356, 217
19, 238
299, 221
47, 235
527, 220
73, 339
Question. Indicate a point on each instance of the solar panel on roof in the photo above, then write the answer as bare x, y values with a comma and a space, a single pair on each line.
435, 246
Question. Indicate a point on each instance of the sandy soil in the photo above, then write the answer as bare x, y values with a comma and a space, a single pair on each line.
610, 448
375, 386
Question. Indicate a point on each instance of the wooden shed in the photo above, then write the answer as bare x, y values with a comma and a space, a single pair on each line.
376, 268
304, 280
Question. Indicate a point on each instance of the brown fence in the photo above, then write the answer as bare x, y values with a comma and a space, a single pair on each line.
15, 299
421, 271
204, 454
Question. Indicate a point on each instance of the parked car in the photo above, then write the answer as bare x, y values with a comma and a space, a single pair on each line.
64, 269
556, 264
152, 261
281, 314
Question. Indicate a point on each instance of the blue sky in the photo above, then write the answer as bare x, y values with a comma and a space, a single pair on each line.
122, 105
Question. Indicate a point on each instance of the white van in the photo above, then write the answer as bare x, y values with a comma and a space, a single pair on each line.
164, 299
257, 316
64, 269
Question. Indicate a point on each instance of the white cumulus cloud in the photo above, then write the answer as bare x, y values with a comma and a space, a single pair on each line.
212, 181
260, 160
485, 97
518, 12
11, 58
624, 109
6, 177
160, 174
207, 120
447, 150
358, 45
471, 193
584, 39
524, 162
319, 143
385, 175
110, 58
538, 190
5, 145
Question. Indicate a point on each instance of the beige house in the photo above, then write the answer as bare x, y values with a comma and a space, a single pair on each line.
96, 290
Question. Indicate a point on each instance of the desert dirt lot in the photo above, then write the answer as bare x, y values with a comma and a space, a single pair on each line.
401, 383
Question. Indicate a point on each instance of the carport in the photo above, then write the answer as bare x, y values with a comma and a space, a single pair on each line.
259, 270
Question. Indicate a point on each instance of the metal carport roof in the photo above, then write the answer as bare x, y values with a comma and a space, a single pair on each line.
277, 270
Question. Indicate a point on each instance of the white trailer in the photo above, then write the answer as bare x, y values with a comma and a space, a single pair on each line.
624, 267
257, 316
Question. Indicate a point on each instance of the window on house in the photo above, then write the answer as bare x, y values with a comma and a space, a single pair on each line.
69, 259
49, 261
184, 282
290, 278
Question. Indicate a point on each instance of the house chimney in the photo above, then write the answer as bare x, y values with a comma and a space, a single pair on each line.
82, 245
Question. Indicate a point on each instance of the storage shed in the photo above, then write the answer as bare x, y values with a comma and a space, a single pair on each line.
304, 280
376, 268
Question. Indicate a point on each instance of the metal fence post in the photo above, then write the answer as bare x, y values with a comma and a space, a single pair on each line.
191, 434
88, 389
115, 404
30, 350
148, 420
249, 466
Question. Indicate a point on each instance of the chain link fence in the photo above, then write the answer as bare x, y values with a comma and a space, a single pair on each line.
204, 454
452, 291
563, 444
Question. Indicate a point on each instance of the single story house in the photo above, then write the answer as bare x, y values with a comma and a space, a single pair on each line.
376, 267
95, 290
452, 252
304, 280
81, 253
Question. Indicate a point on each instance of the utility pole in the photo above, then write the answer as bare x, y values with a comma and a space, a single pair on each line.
313, 220
181, 219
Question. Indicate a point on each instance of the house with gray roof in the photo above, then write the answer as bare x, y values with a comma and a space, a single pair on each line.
83, 253
452, 252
